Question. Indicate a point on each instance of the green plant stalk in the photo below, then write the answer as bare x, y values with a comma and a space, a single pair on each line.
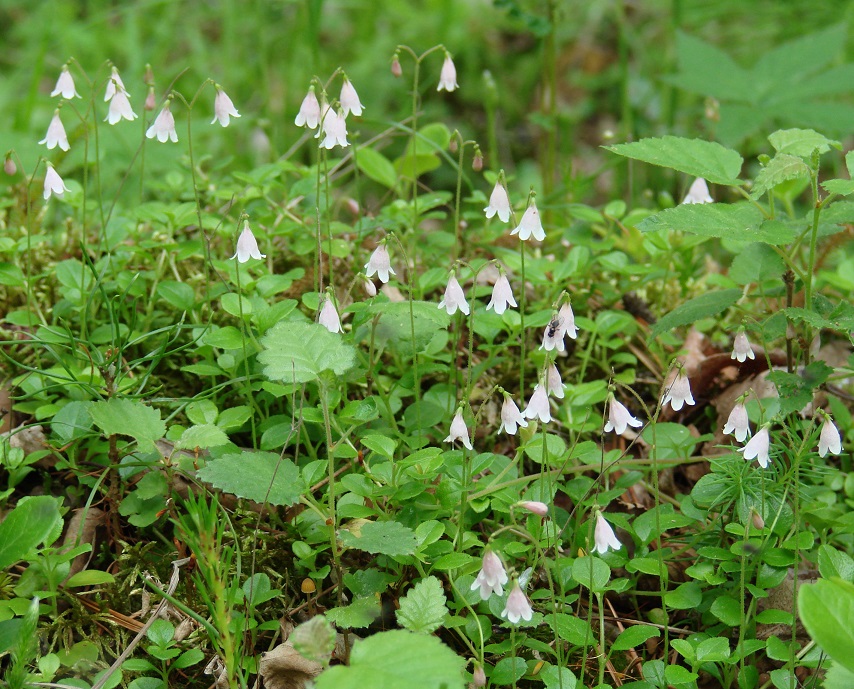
330, 463
329, 260
459, 247
523, 304
602, 655
810, 270
249, 396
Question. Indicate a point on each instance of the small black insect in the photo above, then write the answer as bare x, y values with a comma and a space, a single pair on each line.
552, 327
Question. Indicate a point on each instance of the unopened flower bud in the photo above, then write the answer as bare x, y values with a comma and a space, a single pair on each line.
9, 166
478, 676
396, 69
453, 145
757, 519
150, 100
369, 286
477, 162
352, 206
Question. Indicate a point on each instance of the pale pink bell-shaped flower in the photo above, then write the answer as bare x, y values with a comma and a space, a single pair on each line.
518, 607
679, 392
758, 447
561, 325
829, 440
554, 385
530, 225
502, 295
538, 405
55, 134
120, 108
491, 578
65, 85
511, 416
737, 423
741, 348
620, 418
448, 75
328, 317
534, 506
53, 184
309, 111
334, 130
369, 286
459, 430
604, 536
223, 108
114, 83
454, 297
380, 263
163, 127
349, 99
499, 203
247, 246
698, 193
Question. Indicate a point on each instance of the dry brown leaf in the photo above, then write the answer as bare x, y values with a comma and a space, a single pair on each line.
285, 668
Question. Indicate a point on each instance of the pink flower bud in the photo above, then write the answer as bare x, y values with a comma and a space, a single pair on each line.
396, 69
9, 166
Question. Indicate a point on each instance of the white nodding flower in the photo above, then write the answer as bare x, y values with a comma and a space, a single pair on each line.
448, 75
454, 297
554, 385
679, 392
698, 192
334, 130
829, 440
55, 134
491, 578
534, 507
349, 99
380, 263
538, 405
65, 85
163, 127
530, 225
114, 84
247, 246
758, 447
309, 111
518, 607
737, 423
741, 348
53, 184
369, 286
499, 203
502, 295
511, 417
328, 316
604, 536
223, 108
561, 325
459, 431
620, 418
120, 108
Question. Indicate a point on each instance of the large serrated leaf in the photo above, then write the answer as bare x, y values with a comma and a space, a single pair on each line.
395, 328
300, 352
385, 538
741, 222
801, 142
25, 527
709, 304
251, 475
129, 417
395, 659
423, 608
696, 157
781, 168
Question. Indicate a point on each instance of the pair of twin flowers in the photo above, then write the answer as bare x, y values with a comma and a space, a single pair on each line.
163, 127
492, 576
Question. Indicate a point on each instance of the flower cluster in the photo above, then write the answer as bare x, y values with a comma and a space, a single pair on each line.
119, 108
331, 123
